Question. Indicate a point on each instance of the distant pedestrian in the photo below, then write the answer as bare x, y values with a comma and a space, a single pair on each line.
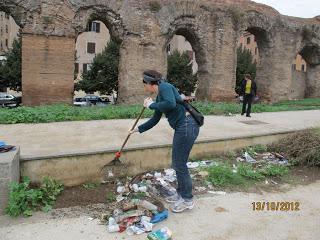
248, 91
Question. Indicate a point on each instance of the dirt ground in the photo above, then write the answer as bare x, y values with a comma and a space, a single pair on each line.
214, 218
231, 216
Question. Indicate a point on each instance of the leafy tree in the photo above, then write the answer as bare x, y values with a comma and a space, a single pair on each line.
10, 69
103, 74
245, 65
180, 72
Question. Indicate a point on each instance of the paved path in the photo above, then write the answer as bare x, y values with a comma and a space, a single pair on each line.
82, 136
214, 218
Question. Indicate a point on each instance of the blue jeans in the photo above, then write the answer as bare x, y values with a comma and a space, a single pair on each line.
183, 140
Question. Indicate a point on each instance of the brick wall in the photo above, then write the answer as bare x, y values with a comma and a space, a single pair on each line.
47, 69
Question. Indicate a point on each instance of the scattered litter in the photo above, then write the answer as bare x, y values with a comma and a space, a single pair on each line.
110, 174
120, 198
193, 165
248, 158
121, 189
6, 148
157, 175
90, 218
208, 163
200, 189
159, 217
240, 159
113, 226
162, 234
274, 182
217, 192
266, 182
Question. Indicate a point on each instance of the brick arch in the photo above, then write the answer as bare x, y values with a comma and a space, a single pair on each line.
18, 13
188, 29
109, 17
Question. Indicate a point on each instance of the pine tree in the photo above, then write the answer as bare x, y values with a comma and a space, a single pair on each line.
103, 74
245, 65
10, 69
180, 72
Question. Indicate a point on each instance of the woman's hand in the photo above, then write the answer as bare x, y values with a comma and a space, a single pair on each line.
135, 130
147, 102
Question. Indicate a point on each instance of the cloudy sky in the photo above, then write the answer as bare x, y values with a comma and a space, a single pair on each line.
297, 8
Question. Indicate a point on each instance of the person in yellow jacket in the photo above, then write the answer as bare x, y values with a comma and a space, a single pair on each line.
248, 91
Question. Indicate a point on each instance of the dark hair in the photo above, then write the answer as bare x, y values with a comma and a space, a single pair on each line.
151, 77
248, 76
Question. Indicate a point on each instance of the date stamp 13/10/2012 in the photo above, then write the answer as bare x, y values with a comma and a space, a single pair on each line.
276, 206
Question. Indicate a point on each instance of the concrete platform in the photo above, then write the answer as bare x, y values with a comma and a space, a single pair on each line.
75, 152
9, 171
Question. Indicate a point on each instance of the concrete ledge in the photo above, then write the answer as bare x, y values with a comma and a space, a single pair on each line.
75, 169
9, 171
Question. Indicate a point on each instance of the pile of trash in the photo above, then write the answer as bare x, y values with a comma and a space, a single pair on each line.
140, 200
260, 158
139, 206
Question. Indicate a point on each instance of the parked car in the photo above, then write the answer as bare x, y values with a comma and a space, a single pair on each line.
90, 100
9, 100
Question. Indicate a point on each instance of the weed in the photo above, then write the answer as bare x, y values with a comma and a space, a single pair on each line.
110, 197
247, 171
223, 175
23, 200
90, 185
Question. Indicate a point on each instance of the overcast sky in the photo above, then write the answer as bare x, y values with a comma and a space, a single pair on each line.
297, 8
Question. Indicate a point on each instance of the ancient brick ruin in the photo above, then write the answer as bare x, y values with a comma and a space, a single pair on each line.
50, 29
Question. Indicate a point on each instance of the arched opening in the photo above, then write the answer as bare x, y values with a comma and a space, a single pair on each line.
10, 55
310, 54
183, 56
251, 48
298, 77
96, 65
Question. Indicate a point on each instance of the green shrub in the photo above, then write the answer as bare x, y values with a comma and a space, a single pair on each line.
23, 200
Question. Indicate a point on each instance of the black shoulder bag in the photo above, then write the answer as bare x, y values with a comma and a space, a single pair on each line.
194, 112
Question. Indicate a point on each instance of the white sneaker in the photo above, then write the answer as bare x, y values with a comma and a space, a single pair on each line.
182, 205
174, 198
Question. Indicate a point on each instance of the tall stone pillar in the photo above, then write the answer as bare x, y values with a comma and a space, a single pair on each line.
47, 69
218, 79
313, 81
274, 73
136, 56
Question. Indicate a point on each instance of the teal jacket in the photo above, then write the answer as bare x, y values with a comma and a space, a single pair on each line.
166, 102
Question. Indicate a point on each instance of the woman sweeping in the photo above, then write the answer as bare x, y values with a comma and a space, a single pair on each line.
186, 131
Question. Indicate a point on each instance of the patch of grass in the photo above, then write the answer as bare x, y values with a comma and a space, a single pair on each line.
90, 185
58, 113
110, 197
252, 150
223, 175
274, 170
247, 171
